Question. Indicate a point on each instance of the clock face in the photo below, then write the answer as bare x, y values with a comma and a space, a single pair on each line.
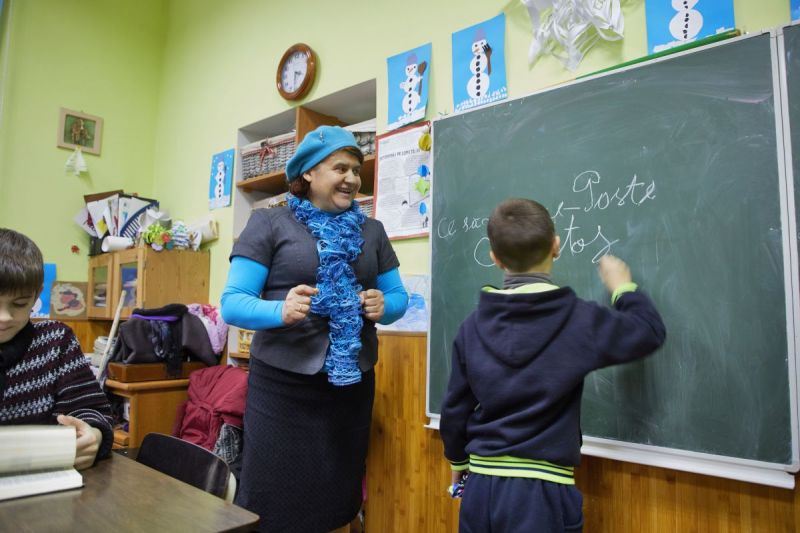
296, 71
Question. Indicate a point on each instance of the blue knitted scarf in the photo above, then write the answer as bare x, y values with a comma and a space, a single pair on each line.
339, 244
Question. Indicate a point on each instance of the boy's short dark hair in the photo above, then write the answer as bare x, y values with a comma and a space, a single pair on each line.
21, 264
521, 233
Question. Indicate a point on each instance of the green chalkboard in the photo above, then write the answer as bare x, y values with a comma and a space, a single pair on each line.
792, 61
674, 167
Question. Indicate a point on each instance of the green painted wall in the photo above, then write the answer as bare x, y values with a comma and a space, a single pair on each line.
219, 72
102, 57
175, 92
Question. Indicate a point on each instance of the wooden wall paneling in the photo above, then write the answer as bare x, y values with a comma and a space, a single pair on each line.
407, 474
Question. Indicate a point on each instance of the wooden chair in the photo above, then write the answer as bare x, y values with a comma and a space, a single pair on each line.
187, 462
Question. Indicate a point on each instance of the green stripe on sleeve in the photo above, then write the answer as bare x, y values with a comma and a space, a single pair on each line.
622, 289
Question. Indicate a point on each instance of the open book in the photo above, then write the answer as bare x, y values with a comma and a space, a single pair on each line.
37, 459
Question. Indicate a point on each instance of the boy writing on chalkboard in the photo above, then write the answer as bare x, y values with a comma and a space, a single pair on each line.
511, 413
44, 376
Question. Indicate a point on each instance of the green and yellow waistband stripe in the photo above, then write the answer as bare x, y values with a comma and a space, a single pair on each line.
458, 466
507, 466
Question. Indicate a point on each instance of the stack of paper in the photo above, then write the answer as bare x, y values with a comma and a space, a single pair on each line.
113, 213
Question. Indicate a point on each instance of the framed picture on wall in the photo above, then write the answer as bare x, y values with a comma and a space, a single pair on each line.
79, 130
68, 300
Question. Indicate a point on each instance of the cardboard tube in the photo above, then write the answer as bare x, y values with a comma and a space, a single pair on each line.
112, 243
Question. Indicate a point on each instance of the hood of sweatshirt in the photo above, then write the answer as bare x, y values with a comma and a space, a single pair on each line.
504, 318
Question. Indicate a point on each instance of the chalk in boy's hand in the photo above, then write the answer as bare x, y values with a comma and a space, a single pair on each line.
613, 272
456, 490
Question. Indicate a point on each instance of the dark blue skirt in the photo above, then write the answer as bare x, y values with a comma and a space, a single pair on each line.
305, 449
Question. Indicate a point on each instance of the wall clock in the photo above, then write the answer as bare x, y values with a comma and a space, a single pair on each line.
296, 71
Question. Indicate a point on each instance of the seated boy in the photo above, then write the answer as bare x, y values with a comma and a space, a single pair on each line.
511, 413
44, 376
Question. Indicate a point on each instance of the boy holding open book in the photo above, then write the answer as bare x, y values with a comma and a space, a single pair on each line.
44, 376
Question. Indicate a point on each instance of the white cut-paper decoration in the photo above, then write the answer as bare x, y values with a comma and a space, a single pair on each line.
75, 163
567, 29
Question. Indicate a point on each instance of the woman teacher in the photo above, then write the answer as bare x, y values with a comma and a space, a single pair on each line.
312, 279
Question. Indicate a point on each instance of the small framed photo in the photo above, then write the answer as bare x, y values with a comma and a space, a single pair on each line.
79, 130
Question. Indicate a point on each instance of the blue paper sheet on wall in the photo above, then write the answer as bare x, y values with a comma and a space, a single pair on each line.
676, 22
41, 309
409, 73
479, 64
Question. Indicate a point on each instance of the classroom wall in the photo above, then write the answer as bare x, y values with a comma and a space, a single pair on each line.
102, 57
175, 79
219, 72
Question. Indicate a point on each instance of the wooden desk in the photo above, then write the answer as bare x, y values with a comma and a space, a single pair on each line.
121, 495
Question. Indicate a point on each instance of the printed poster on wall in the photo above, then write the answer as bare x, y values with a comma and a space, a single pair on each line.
675, 22
219, 190
41, 308
479, 64
795, 10
408, 85
403, 181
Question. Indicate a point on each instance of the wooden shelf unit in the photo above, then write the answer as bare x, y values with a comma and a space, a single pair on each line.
153, 405
151, 279
351, 105
275, 182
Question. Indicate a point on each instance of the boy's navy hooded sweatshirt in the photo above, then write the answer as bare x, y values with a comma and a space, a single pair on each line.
518, 367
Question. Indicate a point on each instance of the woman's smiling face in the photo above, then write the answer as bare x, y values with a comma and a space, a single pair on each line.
334, 182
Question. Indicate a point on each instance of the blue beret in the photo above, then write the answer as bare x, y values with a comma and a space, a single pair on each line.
318, 144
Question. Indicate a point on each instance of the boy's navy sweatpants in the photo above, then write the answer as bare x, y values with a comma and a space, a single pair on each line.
515, 505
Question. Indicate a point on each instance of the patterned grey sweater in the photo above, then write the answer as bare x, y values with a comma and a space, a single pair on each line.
53, 378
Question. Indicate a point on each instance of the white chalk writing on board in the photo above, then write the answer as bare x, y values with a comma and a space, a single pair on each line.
589, 195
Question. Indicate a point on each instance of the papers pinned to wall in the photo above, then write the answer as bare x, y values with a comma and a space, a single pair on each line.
403, 182
479, 64
568, 29
219, 188
673, 23
41, 308
409, 73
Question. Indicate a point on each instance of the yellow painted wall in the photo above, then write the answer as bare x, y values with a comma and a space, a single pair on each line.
176, 92
102, 57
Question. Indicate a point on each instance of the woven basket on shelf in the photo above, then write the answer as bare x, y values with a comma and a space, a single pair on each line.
267, 155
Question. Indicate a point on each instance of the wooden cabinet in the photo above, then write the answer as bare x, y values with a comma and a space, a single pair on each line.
146, 278
153, 406
101, 284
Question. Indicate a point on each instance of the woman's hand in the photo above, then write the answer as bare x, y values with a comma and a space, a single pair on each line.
372, 302
87, 443
297, 304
